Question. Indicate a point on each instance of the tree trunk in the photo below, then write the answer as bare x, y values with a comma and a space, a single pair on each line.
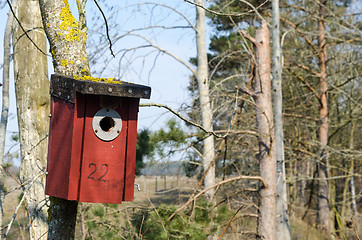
323, 218
282, 228
67, 38
32, 99
5, 108
264, 120
206, 111
351, 173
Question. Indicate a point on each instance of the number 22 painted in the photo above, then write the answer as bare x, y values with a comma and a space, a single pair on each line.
104, 170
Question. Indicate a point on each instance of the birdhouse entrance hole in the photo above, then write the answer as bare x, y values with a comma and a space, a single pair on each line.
106, 124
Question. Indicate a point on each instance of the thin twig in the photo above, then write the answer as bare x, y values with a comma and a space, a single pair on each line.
22, 28
254, 9
36, 145
107, 30
20, 203
227, 226
158, 215
11, 175
306, 84
355, 228
14, 215
181, 117
300, 116
140, 232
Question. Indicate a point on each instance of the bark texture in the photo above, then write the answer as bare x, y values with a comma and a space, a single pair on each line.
323, 217
32, 100
264, 121
206, 111
67, 38
282, 228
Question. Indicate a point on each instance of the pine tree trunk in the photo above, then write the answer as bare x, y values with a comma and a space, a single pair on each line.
67, 38
32, 99
264, 119
282, 228
323, 218
206, 111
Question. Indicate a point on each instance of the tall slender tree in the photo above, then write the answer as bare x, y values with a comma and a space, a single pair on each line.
282, 228
32, 99
5, 107
323, 217
202, 77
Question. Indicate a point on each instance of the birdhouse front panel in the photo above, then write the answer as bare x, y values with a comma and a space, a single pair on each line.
92, 140
102, 175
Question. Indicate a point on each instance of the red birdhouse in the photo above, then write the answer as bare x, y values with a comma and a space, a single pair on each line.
92, 139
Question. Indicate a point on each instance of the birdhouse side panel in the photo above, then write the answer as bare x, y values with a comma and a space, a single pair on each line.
131, 149
60, 147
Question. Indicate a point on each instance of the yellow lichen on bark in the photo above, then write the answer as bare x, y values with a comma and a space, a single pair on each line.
84, 32
64, 62
53, 53
94, 79
69, 24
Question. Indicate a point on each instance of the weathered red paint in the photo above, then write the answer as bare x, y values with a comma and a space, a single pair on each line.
65, 143
131, 149
82, 167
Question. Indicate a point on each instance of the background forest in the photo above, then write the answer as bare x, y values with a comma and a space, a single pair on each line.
212, 140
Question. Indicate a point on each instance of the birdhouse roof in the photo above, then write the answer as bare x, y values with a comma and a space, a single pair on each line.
66, 87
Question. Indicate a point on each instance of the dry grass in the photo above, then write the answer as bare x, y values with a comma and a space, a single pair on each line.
173, 191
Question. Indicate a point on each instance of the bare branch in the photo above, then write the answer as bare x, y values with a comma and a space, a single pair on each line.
227, 226
306, 84
347, 95
301, 116
181, 117
254, 9
164, 6
246, 90
188, 66
21, 201
302, 34
106, 24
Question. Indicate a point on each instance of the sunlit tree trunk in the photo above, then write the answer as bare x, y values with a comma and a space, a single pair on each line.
5, 108
264, 119
323, 217
353, 190
206, 111
282, 228
67, 38
32, 100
